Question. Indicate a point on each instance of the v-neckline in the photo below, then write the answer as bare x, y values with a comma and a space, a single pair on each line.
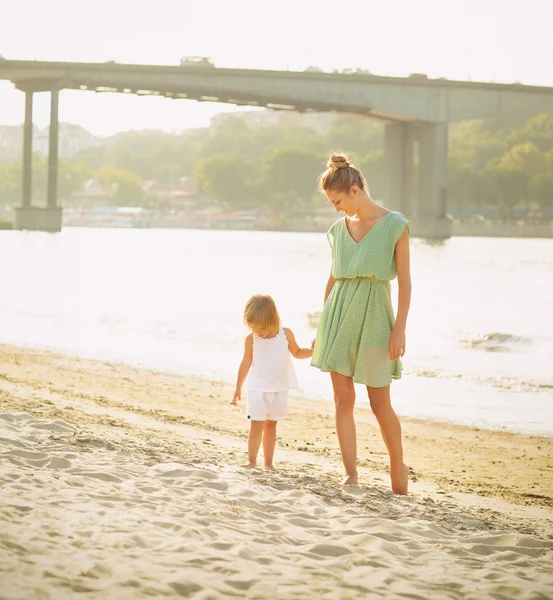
367, 233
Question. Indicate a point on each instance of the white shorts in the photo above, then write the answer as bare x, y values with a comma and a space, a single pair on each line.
267, 406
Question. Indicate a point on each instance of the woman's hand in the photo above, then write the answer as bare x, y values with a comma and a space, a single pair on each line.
236, 398
396, 343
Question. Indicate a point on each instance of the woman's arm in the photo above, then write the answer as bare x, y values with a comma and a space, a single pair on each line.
396, 345
329, 285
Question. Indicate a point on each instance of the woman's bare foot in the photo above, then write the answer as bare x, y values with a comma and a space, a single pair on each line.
349, 480
250, 466
400, 480
270, 468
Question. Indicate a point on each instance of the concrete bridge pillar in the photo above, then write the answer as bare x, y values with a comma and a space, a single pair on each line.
30, 217
398, 150
28, 151
53, 136
431, 219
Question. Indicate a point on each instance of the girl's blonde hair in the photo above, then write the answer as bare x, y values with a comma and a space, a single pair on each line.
340, 175
262, 311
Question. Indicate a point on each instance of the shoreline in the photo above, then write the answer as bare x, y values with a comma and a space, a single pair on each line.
544, 232
439, 452
418, 382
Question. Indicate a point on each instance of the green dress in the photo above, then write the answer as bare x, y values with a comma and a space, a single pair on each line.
357, 318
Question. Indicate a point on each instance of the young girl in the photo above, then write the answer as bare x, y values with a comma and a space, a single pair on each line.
358, 338
267, 352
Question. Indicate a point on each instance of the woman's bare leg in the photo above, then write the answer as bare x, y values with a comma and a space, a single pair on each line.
344, 399
390, 428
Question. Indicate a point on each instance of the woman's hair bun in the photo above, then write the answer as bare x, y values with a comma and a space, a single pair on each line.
338, 161
341, 174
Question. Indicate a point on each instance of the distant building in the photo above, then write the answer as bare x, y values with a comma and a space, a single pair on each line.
72, 140
320, 122
181, 196
11, 142
91, 194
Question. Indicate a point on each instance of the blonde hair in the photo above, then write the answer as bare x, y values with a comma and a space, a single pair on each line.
340, 175
262, 311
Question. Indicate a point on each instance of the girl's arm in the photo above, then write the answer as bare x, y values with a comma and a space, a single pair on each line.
396, 345
243, 369
295, 350
329, 285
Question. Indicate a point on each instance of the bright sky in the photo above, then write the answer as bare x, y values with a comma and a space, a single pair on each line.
485, 40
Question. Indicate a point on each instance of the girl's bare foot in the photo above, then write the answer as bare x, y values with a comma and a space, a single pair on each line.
250, 466
400, 480
270, 468
349, 480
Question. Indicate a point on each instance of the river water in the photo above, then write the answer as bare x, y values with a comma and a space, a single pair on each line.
479, 339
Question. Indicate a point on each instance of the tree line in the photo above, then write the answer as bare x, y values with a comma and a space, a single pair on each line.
498, 164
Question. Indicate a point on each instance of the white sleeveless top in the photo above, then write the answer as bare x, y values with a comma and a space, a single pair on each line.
272, 369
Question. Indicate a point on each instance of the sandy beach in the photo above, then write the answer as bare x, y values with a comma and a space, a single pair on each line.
117, 483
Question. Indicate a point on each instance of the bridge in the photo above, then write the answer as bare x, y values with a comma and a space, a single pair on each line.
415, 110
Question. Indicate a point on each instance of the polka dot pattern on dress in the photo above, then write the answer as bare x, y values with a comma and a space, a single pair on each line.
357, 318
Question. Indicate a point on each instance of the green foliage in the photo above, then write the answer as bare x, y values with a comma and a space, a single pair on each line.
229, 180
123, 186
232, 137
502, 162
543, 190
373, 167
150, 154
291, 176
510, 179
70, 179
10, 183
355, 135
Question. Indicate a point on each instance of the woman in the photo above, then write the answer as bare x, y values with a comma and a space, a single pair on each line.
358, 339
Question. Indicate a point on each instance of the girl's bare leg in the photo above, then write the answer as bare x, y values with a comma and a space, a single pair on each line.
254, 441
269, 443
344, 399
390, 428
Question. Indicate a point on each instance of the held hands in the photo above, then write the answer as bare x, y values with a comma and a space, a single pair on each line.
396, 344
236, 398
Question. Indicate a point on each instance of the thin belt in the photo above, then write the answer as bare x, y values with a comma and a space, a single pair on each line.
371, 279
